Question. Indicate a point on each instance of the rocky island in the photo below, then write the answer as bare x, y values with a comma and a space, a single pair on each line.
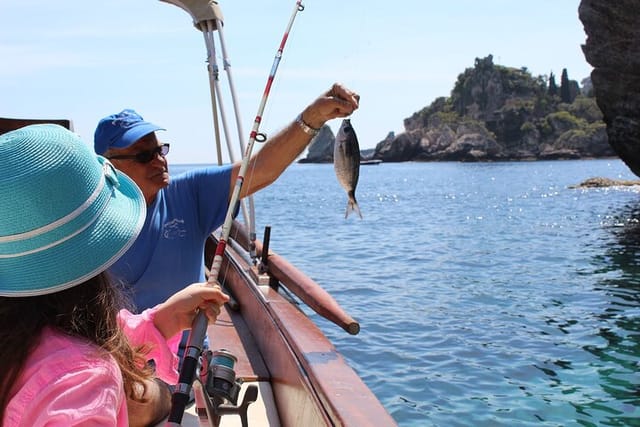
495, 113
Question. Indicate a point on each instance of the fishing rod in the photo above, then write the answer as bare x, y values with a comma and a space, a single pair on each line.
180, 396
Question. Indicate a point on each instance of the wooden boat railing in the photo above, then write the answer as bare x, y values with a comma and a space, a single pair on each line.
8, 124
310, 292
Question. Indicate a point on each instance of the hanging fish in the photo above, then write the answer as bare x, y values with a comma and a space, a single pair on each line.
346, 162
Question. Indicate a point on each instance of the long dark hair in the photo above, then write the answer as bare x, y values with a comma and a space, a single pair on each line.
88, 311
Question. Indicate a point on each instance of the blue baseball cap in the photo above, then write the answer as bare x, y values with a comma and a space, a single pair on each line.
121, 130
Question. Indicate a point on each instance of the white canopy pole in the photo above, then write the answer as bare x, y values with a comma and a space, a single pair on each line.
207, 17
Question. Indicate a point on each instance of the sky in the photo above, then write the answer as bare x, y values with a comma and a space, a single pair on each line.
84, 60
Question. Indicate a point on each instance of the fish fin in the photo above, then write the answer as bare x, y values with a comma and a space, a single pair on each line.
352, 206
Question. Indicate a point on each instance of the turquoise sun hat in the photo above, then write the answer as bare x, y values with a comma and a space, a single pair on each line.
66, 214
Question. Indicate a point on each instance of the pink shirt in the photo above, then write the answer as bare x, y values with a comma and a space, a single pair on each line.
69, 382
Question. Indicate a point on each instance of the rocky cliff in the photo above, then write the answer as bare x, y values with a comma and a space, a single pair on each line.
613, 48
321, 148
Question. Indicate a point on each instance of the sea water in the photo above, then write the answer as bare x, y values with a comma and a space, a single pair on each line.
488, 294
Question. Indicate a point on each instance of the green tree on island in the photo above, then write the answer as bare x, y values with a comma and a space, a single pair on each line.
565, 91
553, 87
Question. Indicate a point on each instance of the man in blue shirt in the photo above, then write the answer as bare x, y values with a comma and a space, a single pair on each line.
181, 214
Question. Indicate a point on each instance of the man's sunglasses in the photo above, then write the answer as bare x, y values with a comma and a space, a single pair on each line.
145, 156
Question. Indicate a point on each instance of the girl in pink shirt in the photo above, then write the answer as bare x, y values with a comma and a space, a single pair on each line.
70, 354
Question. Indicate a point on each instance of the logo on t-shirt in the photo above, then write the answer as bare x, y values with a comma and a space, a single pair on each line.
174, 229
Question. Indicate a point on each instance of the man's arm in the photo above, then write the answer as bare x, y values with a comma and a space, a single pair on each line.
280, 151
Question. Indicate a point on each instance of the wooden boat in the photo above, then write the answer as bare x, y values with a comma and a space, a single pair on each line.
297, 375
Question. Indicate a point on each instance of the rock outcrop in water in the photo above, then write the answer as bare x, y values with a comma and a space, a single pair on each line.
613, 48
601, 182
321, 148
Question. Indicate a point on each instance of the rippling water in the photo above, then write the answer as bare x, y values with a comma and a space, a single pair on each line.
489, 294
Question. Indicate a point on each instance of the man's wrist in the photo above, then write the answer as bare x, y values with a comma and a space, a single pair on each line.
306, 128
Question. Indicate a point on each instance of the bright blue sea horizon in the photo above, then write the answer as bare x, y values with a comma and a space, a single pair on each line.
488, 294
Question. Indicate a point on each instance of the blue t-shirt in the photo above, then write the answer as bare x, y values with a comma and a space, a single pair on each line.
168, 253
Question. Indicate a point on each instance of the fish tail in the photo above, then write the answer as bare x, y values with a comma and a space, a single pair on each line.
352, 206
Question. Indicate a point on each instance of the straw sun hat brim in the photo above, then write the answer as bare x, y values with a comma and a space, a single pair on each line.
90, 249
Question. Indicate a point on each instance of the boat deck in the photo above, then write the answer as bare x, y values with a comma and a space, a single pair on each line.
259, 414
232, 334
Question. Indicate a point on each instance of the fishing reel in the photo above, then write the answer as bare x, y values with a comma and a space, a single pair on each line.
222, 388
221, 378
